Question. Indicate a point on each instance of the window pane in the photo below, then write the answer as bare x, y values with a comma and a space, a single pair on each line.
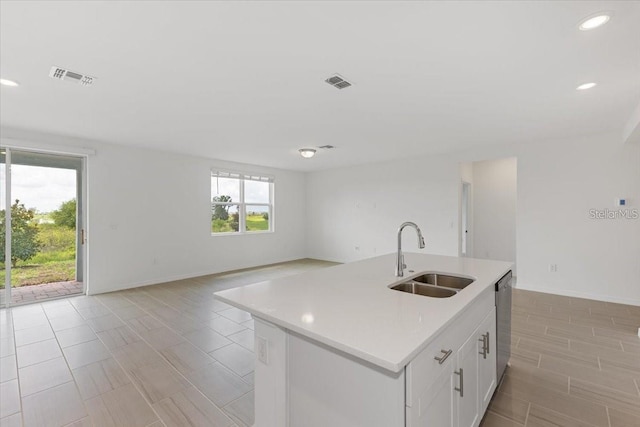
256, 192
257, 218
225, 189
224, 218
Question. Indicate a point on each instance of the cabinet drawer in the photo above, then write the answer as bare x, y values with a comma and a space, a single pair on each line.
422, 371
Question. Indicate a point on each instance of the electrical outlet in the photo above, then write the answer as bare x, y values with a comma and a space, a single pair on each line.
553, 268
263, 350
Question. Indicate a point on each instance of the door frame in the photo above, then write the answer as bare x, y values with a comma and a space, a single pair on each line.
466, 219
82, 250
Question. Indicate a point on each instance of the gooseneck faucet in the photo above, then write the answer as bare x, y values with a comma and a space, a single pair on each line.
400, 265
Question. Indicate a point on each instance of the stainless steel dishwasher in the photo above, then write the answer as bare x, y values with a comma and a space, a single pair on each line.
503, 322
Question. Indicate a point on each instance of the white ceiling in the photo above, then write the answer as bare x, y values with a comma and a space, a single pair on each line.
244, 81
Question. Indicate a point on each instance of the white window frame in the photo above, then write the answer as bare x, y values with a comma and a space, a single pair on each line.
242, 177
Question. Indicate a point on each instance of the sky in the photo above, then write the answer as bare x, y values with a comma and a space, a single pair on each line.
44, 189
254, 191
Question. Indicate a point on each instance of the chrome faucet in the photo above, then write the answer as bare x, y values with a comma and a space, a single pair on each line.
400, 265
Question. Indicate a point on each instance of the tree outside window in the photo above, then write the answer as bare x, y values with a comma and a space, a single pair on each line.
241, 203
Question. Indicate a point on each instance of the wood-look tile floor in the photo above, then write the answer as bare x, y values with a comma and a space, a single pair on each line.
172, 355
574, 363
162, 355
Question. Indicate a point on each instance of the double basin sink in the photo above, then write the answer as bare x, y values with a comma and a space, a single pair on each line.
434, 285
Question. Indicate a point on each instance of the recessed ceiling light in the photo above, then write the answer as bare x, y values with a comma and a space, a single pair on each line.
5, 82
586, 86
594, 21
307, 153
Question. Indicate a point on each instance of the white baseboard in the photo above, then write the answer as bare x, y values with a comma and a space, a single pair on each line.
567, 293
165, 279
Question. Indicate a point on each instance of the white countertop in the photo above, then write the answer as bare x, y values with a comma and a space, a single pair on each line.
351, 308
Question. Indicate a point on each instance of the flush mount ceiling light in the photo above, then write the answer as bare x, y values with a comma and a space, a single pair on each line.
11, 83
307, 153
594, 21
586, 86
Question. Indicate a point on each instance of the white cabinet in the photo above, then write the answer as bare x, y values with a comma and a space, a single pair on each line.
487, 376
301, 382
466, 377
451, 382
477, 372
434, 406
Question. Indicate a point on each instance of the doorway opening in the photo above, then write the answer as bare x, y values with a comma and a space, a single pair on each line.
488, 205
41, 252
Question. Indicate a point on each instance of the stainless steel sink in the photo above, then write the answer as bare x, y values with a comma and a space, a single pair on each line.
426, 290
444, 280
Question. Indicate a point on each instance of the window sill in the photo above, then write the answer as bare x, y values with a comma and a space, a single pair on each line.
246, 233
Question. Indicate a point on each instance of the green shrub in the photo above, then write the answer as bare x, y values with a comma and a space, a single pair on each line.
55, 238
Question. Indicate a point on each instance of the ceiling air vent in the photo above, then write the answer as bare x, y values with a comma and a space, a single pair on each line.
63, 74
338, 81
326, 147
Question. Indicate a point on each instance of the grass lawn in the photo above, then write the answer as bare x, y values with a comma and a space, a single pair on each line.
257, 223
34, 274
55, 263
254, 223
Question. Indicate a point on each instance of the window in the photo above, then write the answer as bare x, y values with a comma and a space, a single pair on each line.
241, 203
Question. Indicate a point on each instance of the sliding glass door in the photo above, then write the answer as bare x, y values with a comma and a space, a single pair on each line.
42, 250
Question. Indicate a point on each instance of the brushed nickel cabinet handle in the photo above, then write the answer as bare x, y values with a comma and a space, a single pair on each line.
483, 352
461, 389
488, 346
441, 359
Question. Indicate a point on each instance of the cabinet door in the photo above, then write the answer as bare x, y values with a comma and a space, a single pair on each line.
466, 383
487, 377
436, 404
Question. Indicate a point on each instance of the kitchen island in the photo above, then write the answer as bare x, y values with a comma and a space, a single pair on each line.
338, 347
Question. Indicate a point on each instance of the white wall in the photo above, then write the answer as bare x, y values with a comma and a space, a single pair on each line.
362, 206
355, 212
494, 209
558, 182
147, 205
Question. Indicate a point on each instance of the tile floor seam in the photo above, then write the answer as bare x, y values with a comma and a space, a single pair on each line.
613, 390
125, 371
505, 418
150, 404
565, 414
526, 417
68, 366
238, 398
131, 381
221, 409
